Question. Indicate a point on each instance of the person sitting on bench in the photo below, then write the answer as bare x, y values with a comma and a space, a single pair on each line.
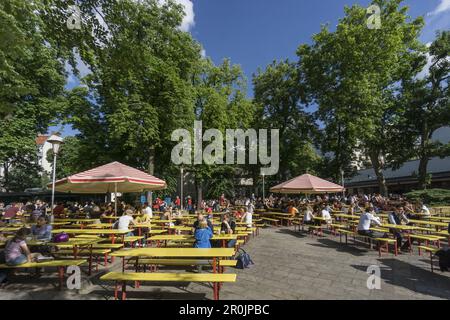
365, 221
228, 227
16, 249
396, 218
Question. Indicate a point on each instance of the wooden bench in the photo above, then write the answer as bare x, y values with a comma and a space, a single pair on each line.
426, 238
386, 242
432, 252
272, 220
133, 239
86, 253
346, 233
318, 229
122, 279
181, 262
59, 264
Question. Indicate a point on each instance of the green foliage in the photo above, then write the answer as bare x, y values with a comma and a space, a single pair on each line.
426, 108
22, 175
353, 73
31, 91
280, 100
431, 196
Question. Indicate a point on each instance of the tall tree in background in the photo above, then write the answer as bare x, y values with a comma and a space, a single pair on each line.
221, 104
280, 101
355, 72
32, 85
426, 109
140, 88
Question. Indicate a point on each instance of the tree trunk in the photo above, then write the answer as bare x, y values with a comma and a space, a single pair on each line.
423, 164
6, 176
199, 193
378, 164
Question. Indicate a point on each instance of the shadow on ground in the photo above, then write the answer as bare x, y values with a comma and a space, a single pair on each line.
340, 247
298, 234
406, 275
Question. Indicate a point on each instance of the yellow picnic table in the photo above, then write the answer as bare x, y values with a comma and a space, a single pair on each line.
76, 220
431, 223
112, 232
346, 216
398, 227
213, 253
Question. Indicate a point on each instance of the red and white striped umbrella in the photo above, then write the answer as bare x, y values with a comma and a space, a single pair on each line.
112, 177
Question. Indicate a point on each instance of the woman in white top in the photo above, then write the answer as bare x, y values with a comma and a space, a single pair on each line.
326, 215
247, 217
125, 221
308, 218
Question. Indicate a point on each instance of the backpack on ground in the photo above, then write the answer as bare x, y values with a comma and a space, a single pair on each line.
243, 259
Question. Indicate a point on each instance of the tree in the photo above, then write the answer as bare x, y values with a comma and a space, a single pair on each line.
31, 94
140, 88
23, 174
281, 104
426, 109
220, 104
354, 74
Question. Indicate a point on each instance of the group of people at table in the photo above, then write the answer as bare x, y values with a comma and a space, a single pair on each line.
38, 228
368, 212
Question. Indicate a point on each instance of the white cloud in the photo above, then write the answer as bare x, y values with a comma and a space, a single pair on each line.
189, 18
443, 6
203, 53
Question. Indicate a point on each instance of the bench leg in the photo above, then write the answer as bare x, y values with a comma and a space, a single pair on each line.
124, 290
116, 290
216, 291
214, 265
106, 259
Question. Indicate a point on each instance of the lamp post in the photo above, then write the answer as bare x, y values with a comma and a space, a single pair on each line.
181, 188
55, 141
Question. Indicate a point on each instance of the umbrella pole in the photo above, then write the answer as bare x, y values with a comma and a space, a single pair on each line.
115, 198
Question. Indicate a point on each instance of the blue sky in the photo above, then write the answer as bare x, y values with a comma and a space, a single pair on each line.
253, 33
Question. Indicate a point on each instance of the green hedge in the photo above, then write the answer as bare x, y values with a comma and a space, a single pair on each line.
431, 196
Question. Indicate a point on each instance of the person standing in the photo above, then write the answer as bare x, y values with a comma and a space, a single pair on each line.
178, 202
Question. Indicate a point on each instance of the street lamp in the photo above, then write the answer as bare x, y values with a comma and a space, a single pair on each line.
55, 141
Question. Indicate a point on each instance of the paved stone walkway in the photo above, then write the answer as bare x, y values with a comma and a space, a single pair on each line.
288, 265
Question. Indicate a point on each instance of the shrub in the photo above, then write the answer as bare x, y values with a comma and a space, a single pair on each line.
431, 196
